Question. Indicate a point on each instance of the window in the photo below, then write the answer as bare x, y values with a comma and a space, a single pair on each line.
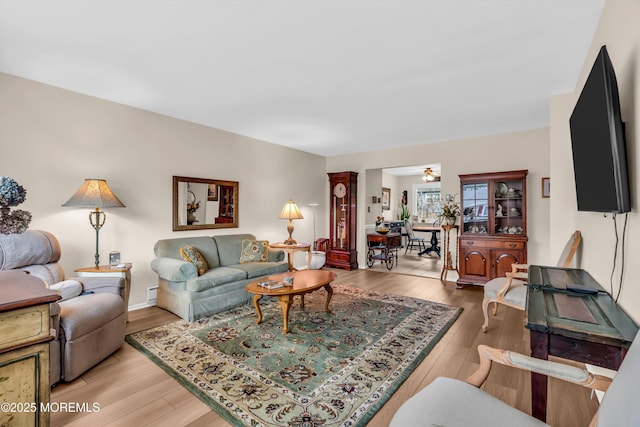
427, 201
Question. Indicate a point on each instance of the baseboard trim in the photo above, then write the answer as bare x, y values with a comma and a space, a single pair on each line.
139, 306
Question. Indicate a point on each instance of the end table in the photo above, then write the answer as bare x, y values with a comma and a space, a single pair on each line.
108, 271
291, 249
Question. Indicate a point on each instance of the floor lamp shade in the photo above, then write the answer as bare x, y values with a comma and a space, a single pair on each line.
290, 211
95, 194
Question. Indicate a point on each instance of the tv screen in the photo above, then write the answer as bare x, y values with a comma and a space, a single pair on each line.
598, 142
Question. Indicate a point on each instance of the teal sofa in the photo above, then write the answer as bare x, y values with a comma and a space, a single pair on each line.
183, 292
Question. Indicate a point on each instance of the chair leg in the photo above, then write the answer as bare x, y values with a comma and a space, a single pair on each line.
485, 312
495, 308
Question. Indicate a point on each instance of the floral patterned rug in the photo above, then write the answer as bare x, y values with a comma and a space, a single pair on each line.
331, 369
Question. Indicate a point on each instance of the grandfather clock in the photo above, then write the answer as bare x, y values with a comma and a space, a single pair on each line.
343, 196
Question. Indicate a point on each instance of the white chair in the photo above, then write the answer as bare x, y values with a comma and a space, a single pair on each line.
511, 290
450, 402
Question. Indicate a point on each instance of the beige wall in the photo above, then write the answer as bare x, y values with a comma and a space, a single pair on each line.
52, 139
511, 151
619, 31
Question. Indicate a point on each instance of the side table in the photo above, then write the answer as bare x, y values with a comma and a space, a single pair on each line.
447, 265
108, 271
291, 249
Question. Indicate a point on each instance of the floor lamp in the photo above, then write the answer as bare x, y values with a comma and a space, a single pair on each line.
95, 193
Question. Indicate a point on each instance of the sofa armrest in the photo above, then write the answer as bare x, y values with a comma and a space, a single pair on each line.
98, 285
276, 256
174, 270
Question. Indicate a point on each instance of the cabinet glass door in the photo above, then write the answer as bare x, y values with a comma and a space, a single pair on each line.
340, 223
475, 209
508, 207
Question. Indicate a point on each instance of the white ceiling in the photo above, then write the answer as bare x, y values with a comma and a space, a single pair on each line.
324, 76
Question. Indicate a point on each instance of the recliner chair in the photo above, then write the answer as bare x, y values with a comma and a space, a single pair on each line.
88, 324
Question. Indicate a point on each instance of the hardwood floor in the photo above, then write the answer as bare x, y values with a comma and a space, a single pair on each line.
132, 391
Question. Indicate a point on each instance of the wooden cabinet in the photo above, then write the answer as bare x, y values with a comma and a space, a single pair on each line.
24, 349
226, 213
493, 230
342, 220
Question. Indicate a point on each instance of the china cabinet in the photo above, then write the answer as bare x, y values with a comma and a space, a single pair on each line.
342, 220
493, 229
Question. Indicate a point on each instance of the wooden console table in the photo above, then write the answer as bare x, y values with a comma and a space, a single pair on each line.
24, 348
588, 328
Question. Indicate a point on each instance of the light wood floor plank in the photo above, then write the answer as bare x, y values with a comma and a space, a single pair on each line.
132, 390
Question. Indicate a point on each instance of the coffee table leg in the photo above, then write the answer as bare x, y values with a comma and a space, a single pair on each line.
285, 303
329, 290
256, 298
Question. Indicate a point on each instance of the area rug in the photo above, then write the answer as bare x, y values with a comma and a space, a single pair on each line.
331, 369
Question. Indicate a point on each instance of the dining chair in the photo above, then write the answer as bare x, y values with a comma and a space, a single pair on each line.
511, 290
439, 403
412, 240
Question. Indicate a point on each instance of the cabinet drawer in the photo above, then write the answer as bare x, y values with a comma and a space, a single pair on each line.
510, 245
477, 243
24, 325
491, 244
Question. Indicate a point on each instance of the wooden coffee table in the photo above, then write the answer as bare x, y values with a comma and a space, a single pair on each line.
304, 281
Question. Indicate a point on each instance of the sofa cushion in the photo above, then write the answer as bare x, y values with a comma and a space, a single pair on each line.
205, 245
215, 277
192, 255
259, 269
254, 251
230, 246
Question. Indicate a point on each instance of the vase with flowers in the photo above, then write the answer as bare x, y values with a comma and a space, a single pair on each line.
12, 194
379, 220
449, 211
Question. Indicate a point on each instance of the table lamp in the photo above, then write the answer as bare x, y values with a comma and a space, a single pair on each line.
290, 212
95, 193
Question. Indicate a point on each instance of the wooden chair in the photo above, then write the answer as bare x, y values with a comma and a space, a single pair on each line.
511, 290
412, 240
452, 402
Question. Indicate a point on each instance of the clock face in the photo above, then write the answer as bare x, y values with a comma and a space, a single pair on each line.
340, 190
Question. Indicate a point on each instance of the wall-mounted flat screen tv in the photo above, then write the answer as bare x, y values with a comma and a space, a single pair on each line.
598, 142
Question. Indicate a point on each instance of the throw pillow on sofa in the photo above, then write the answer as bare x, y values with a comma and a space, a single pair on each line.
192, 255
254, 251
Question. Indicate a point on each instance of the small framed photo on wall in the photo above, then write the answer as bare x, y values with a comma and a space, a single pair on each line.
386, 199
546, 187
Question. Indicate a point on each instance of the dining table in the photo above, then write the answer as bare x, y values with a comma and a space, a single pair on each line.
434, 230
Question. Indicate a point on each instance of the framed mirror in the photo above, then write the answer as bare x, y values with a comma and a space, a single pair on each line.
200, 204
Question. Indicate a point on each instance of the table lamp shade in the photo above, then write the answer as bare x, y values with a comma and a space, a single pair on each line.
95, 194
290, 211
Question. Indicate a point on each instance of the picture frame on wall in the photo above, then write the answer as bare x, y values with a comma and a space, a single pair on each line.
386, 199
546, 187
212, 194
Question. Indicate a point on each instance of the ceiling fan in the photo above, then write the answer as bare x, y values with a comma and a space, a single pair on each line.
430, 175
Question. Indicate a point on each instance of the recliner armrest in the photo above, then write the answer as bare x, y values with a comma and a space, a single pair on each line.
97, 285
174, 270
